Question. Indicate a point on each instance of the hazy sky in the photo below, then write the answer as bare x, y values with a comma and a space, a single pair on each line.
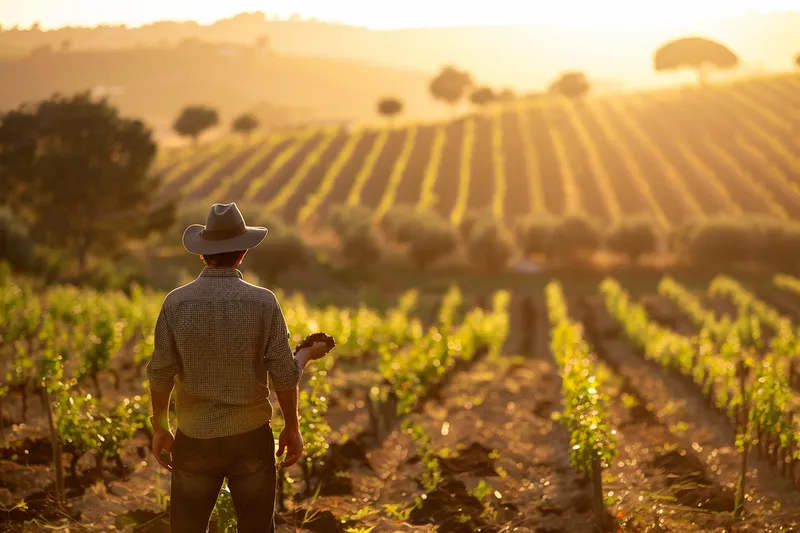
381, 14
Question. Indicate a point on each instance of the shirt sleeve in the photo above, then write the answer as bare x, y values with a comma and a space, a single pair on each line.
279, 357
163, 366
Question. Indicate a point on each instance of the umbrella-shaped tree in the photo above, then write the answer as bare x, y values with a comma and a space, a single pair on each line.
697, 53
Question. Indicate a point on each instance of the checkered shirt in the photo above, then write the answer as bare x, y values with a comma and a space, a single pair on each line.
220, 341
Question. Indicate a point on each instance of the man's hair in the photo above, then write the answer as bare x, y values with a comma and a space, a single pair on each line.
227, 259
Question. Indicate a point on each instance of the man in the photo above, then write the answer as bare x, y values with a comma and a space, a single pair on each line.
218, 341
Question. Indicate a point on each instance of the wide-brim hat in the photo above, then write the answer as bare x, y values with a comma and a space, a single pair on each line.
225, 231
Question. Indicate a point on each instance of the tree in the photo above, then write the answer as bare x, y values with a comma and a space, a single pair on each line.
281, 251
360, 245
633, 238
345, 217
697, 53
450, 85
490, 246
776, 243
571, 84
430, 239
534, 234
16, 246
797, 60
66, 44
506, 95
194, 120
575, 237
390, 107
245, 124
400, 222
722, 241
473, 218
481, 97
81, 175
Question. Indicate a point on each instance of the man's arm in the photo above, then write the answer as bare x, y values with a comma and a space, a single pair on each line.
285, 371
290, 439
161, 372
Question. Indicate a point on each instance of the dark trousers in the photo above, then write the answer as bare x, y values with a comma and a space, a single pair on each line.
200, 465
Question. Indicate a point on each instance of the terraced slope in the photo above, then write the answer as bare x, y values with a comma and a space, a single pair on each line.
673, 155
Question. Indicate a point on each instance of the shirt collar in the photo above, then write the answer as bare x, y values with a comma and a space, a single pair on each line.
220, 272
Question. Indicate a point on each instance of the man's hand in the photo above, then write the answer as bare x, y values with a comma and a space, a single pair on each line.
291, 441
319, 350
162, 444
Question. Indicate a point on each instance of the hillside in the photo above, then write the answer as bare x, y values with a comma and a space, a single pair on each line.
675, 155
156, 83
524, 57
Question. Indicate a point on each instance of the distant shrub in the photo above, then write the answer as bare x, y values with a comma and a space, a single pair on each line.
399, 223
534, 234
490, 246
281, 251
633, 238
16, 246
430, 239
575, 237
777, 243
360, 245
721, 241
471, 219
343, 218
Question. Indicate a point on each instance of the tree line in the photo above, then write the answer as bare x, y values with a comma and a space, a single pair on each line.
428, 239
452, 86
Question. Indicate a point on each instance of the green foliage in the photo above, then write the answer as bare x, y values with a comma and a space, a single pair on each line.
482, 96
343, 218
361, 246
16, 246
430, 239
194, 120
245, 124
571, 84
281, 251
576, 237
776, 243
390, 107
78, 174
400, 222
225, 511
585, 413
721, 241
534, 234
490, 246
449, 85
432, 475
471, 220
633, 238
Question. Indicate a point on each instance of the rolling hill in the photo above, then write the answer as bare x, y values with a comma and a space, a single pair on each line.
524, 57
156, 83
673, 155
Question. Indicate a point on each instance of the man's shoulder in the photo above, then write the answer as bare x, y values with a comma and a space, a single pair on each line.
262, 293
179, 294
196, 290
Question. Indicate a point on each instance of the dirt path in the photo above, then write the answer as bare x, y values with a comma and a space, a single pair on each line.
498, 418
694, 429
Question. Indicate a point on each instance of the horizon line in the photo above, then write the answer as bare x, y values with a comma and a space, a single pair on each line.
272, 18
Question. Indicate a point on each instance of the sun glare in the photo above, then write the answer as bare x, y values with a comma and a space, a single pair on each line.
585, 13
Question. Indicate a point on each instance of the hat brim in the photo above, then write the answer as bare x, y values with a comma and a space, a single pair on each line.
196, 244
